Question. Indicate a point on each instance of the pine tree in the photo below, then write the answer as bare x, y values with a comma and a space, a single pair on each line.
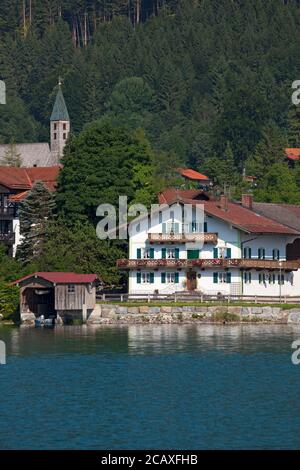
269, 150
293, 133
11, 157
34, 213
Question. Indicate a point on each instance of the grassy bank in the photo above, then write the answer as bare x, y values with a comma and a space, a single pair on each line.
158, 303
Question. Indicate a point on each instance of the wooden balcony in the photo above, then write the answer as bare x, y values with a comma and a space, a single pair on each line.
269, 264
184, 237
8, 238
209, 263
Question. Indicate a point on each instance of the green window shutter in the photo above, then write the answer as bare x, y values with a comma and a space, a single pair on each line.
176, 278
263, 253
216, 252
138, 253
193, 254
228, 278
215, 278
244, 252
259, 254
163, 278
151, 253
250, 254
273, 254
138, 278
205, 227
164, 227
151, 278
163, 253
250, 276
228, 253
177, 253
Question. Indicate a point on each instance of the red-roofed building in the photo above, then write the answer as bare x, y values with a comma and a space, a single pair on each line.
15, 183
61, 296
192, 174
292, 154
198, 243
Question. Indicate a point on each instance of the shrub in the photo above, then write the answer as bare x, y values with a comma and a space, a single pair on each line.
9, 300
226, 316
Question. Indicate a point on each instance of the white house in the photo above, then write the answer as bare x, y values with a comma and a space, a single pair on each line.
233, 249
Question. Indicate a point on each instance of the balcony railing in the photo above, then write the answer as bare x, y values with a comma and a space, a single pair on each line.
209, 263
184, 237
8, 238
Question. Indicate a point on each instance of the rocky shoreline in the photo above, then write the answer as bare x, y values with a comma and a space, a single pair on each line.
116, 314
112, 314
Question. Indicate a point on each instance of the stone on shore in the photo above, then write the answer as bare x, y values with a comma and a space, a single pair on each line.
294, 315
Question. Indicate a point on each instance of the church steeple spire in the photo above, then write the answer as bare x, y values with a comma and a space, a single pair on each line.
59, 123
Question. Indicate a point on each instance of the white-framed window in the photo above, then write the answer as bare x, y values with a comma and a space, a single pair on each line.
146, 278
247, 252
247, 277
171, 253
170, 278
272, 278
71, 288
262, 278
222, 277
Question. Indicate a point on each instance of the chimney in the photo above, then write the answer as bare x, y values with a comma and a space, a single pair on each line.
247, 201
224, 202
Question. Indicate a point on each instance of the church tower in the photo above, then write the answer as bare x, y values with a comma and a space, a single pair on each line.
59, 125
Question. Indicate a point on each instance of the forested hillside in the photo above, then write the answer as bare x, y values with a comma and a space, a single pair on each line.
208, 80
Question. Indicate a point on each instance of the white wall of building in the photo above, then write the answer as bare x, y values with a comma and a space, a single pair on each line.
18, 236
228, 237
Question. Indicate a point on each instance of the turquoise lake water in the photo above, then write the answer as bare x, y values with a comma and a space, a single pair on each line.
150, 387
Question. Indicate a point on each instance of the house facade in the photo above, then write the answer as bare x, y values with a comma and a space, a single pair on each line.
15, 183
232, 249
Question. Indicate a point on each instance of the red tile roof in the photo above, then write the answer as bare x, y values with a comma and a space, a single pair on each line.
24, 178
236, 214
192, 174
61, 278
292, 153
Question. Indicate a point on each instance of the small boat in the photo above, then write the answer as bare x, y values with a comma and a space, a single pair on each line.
49, 323
37, 323
45, 322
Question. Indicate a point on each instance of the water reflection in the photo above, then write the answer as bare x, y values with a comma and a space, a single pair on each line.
151, 386
149, 339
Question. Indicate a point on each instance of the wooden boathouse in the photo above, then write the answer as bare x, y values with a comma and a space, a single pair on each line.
60, 295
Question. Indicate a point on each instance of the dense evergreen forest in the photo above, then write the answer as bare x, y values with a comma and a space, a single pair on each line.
202, 83
208, 80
